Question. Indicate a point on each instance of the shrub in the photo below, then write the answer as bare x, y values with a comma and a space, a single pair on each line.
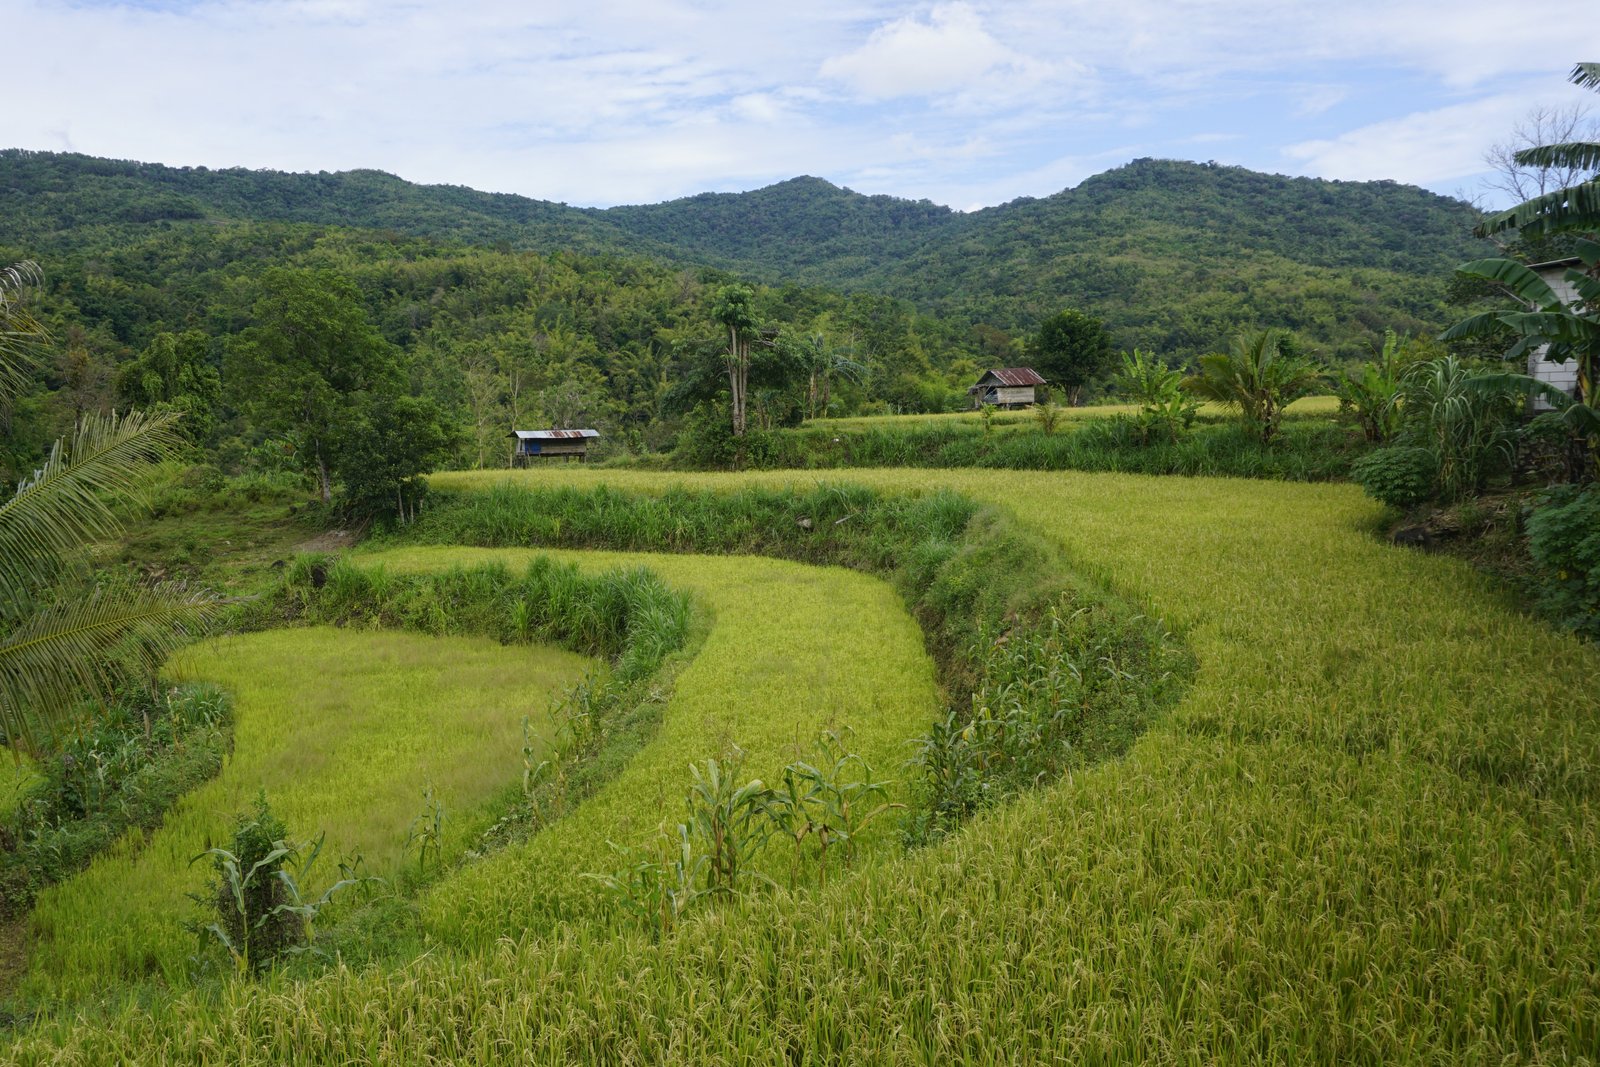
1259, 376
1564, 540
262, 914
1166, 412
1402, 477
1465, 419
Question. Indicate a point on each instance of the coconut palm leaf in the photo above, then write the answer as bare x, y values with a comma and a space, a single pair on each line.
72, 499
20, 334
85, 645
1586, 75
73, 646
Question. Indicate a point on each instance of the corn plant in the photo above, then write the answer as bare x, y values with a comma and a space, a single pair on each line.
848, 798
262, 912
427, 830
791, 808
730, 820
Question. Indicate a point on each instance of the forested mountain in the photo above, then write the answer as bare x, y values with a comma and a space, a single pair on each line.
1173, 255
505, 310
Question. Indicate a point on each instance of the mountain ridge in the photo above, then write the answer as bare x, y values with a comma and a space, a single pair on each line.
1170, 252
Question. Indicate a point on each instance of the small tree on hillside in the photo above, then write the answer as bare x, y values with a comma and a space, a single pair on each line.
1070, 350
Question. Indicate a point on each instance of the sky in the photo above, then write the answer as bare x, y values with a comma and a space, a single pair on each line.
961, 102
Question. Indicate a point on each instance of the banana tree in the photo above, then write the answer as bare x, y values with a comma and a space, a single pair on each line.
1566, 331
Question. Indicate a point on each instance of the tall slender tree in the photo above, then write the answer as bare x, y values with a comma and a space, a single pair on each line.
733, 310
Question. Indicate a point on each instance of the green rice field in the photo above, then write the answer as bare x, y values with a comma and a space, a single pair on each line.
343, 731
1305, 406
1367, 834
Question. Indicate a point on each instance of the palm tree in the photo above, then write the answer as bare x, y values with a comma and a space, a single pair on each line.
822, 362
64, 635
1577, 207
1257, 377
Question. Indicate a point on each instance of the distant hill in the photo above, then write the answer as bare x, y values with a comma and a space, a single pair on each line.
1174, 255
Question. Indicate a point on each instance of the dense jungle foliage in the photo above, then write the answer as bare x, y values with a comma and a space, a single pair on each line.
604, 312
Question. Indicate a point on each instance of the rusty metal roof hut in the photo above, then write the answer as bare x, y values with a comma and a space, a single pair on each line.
1009, 387
550, 444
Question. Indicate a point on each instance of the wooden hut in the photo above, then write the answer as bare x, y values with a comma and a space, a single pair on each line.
1007, 387
529, 445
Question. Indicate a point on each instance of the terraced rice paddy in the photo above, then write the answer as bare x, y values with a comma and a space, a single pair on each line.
793, 650
343, 731
1368, 834
1309, 405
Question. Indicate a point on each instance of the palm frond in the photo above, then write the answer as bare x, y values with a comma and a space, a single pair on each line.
1576, 207
1585, 74
72, 499
81, 646
20, 333
1573, 155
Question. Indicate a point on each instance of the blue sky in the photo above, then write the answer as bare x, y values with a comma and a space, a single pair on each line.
634, 101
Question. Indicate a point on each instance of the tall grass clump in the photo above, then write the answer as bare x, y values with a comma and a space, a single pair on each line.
628, 616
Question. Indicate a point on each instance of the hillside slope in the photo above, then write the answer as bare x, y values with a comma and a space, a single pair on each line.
1174, 255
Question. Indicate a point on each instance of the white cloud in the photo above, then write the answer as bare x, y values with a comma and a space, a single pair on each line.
1423, 148
977, 101
910, 56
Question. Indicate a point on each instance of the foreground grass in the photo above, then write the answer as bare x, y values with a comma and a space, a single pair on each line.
1367, 835
344, 731
783, 661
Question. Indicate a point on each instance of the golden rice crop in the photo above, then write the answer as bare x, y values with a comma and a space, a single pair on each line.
1367, 834
792, 650
1306, 405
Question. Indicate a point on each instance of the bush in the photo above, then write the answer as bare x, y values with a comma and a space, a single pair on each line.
124, 769
1401, 477
1564, 540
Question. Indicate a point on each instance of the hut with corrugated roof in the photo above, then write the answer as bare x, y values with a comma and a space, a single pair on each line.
530, 445
1006, 387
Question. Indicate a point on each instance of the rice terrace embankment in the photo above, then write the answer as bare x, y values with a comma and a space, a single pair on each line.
1355, 823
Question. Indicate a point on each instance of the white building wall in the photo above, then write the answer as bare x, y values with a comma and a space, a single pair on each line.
1563, 376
